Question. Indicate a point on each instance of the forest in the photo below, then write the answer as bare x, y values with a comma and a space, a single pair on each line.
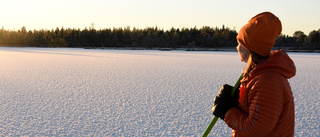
147, 38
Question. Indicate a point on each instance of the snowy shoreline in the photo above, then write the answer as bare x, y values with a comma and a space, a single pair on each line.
231, 49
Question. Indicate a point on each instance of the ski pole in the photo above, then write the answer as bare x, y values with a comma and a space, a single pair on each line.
214, 120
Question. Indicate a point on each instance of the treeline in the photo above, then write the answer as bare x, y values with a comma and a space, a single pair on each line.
151, 37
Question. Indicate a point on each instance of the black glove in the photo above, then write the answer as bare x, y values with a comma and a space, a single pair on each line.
224, 101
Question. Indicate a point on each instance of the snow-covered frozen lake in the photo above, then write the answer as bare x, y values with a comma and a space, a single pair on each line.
77, 92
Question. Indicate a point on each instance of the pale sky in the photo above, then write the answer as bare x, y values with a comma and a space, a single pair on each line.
44, 14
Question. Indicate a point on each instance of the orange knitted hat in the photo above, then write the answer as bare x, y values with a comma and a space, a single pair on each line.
260, 33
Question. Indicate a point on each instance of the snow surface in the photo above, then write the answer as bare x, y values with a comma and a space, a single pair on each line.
77, 92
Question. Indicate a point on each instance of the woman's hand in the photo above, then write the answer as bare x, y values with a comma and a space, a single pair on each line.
224, 101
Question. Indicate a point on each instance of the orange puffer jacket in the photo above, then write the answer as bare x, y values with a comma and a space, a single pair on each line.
267, 106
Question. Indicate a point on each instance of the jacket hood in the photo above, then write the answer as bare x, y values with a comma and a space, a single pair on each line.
278, 61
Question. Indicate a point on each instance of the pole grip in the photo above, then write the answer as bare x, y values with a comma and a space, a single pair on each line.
214, 120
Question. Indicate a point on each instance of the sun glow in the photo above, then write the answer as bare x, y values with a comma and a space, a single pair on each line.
39, 14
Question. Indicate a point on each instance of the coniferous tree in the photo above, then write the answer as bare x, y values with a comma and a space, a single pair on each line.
150, 37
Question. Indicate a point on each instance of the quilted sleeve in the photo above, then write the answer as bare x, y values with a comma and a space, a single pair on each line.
265, 108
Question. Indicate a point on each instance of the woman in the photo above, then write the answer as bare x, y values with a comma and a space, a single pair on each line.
263, 105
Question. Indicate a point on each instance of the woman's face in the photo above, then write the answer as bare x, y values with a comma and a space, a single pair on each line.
243, 53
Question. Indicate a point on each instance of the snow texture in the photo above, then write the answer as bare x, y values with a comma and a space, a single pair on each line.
77, 92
